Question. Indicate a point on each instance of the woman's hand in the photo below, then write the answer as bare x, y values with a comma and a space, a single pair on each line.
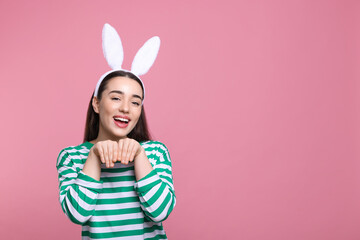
128, 150
125, 151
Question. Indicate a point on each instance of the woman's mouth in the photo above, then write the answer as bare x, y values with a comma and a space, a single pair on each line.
121, 122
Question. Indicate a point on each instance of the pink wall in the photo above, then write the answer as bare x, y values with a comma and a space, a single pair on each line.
257, 101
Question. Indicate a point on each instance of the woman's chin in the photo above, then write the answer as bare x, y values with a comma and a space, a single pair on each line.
121, 134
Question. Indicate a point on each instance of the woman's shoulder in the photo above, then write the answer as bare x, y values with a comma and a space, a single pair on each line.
153, 144
83, 147
156, 149
73, 152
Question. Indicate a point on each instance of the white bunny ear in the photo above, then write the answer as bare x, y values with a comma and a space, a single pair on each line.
112, 47
146, 56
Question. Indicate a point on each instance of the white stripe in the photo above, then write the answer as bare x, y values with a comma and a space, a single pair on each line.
147, 181
83, 150
166, 181
73, 168
74, 212
153, 145
117, 206
78, 165
87, 184
139, 237
64, 168
76, 157
117, 195
82, 203
60, 157
69, 175
67, 161
152, 161
63, 207
165, 174
154, 233
88, 192
62, 184
113, 228
117, 174
151, 224
71, 149
117, 217
83, 156
163, 166
63, 192
157, 153
165, 211
150, 193
158, 202
118, 184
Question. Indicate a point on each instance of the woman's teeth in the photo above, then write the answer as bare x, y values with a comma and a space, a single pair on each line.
122, 119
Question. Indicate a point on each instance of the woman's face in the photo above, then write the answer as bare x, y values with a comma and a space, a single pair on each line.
119, 109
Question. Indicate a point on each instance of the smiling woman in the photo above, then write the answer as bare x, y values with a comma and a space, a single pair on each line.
118, 183
124, 87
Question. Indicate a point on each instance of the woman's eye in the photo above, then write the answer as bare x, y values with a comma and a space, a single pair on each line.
115, 98
136, 103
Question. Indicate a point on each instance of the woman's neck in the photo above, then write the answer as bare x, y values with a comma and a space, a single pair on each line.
102, 137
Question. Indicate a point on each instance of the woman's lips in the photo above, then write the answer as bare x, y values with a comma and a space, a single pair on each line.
121, 124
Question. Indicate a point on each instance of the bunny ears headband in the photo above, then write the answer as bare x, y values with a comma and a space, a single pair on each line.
114, 55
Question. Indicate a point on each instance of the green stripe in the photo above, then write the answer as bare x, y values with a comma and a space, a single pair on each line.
118, 189
118, 200
155, 197
166, 178
76, 205
154, 227
63, 187
117, 211
84, 197
114, 234
116, 223
71, 217
147, 187
156, 237
66, 171
118, 179
161, 208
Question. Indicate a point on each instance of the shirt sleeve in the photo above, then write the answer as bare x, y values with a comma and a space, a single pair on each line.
78, 191
156, 190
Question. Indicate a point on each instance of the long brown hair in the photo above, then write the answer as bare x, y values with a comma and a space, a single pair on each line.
140, 132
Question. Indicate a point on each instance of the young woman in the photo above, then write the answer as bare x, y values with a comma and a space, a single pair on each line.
118, 183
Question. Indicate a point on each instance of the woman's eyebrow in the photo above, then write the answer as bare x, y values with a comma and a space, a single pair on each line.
121, 92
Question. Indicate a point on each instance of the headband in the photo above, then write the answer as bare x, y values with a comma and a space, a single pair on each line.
114, 55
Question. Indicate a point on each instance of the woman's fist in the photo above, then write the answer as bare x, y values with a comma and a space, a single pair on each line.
125, 150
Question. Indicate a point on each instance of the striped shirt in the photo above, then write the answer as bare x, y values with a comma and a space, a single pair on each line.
117, 206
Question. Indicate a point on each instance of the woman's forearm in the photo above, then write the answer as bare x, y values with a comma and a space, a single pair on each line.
142, 165
92, 166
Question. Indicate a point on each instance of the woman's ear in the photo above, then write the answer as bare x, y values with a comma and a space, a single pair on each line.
95, 104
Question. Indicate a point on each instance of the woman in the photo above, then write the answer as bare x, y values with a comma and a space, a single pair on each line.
118, 183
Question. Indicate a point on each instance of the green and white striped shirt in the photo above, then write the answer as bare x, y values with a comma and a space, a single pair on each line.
117, 207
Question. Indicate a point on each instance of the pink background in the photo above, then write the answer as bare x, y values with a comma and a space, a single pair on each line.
257, 101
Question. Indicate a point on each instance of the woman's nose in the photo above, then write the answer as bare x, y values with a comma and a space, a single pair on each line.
124, 106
